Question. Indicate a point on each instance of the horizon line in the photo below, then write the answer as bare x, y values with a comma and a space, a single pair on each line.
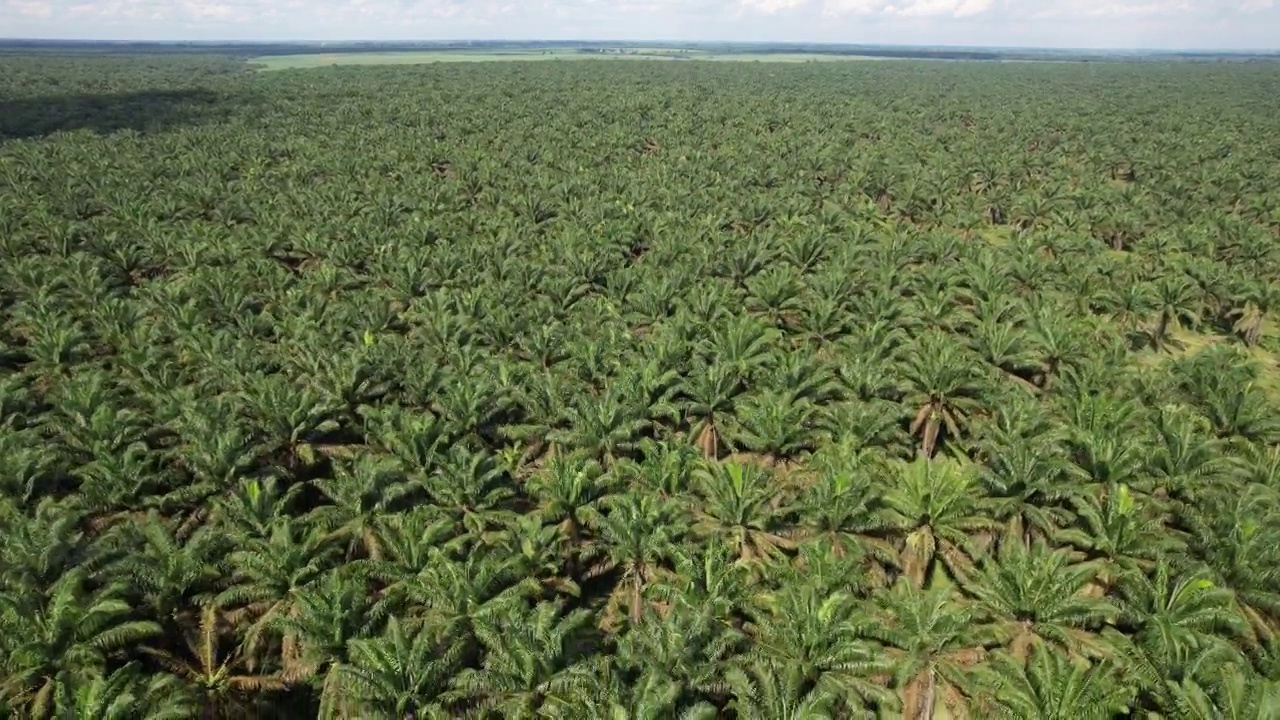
631, 41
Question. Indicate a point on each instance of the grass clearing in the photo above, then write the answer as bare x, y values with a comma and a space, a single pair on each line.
1190, 343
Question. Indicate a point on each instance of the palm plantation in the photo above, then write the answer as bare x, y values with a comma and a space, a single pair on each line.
639, 390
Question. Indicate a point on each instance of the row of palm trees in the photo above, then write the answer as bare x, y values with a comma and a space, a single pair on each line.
763, 391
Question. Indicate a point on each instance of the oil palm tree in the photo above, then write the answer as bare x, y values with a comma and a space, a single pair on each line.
1035, 596
936, 516
1049, 685
218, 679
360, 490
821, 638
634, 539
1171, 616
846, 512
531, 658
932, 638
943, 387
68, 632
400, 674
738, 505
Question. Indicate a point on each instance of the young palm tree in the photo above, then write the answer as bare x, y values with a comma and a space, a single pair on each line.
68, 632
400, 674
531, 659
937, 517
1052, 686
738, 506
944, 389
932, 638
1035, 596
218, 680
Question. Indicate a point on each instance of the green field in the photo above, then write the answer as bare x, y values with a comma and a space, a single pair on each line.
308, 60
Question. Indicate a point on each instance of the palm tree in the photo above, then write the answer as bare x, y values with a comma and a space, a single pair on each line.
1221, 382
710, 390
473, 490
846, 512
1234, 691
1249, 314
687, 648
400, 674
936, 515
452, 596
1035, 596
943, 387
1186, 461
1029, 486
1234, 537
1120, 533
360, 490
932, 638
170, 573
604, 428
738, 506
70, 632
1170, 617
532, 658
775, 426
125, 694
266, 574
767, 691
1176, 302
216, 679
707, 579
634, 539
566, 489
325, 617
1051, 686
819, 637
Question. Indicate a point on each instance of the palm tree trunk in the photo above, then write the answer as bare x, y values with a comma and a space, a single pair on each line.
635, 599
925, 710
1163, 329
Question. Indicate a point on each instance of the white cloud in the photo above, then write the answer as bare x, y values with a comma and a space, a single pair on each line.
1072, 23
770, 7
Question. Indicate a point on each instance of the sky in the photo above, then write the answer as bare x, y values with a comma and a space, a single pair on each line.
1199, 24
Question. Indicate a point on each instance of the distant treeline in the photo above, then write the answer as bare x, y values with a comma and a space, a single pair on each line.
888, 51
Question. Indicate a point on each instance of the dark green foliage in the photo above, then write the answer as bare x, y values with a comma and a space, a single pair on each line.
638, 390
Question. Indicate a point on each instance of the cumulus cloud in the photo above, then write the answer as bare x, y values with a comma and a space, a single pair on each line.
1078, 23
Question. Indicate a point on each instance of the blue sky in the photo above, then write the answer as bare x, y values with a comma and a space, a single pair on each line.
1240, 24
